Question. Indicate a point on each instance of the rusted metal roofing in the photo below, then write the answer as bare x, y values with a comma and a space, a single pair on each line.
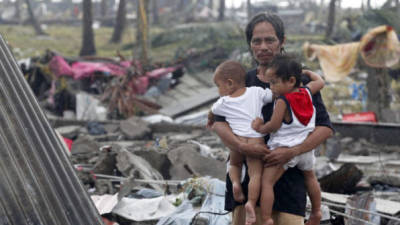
38, 183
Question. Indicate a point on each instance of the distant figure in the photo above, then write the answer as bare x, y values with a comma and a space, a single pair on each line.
76, 11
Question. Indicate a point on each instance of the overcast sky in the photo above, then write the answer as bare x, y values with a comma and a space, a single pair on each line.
345, 3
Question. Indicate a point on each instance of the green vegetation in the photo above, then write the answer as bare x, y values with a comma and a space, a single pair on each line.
65, 40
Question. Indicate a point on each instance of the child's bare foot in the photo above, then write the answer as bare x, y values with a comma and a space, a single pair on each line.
315, 218
237, 192
250, 214
268, 222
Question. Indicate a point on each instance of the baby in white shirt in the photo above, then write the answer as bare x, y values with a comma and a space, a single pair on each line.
240, 105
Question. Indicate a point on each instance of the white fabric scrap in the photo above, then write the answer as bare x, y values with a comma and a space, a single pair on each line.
104, 203
144, 209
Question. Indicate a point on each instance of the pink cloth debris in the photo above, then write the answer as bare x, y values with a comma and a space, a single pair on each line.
60, 67
79, 70
140, 85
87, 69
158, 73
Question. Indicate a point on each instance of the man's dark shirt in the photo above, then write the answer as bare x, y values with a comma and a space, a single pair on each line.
290, 189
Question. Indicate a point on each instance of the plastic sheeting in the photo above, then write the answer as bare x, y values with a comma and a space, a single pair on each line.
144, 209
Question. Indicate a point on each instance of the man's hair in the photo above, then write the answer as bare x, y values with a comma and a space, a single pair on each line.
286, 66
271, 18
231, 70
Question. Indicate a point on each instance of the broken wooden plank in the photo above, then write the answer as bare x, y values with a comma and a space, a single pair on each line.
382, 205
356, 159
191, 103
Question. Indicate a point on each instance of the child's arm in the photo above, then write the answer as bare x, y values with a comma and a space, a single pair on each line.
276, 119
316, 83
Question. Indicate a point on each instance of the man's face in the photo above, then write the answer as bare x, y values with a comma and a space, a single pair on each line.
264, 43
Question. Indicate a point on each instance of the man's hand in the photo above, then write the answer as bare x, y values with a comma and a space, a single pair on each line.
257, 123
279, 156
255, 150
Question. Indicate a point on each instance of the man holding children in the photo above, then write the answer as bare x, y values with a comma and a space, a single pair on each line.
266, 37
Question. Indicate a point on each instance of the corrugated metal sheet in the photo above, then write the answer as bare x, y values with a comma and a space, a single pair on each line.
38, 183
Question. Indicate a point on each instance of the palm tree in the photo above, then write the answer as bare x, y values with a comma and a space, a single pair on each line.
17, 10
103, 8
35, 23
156, 19
88, 45
331, 19
119, 23
221, 10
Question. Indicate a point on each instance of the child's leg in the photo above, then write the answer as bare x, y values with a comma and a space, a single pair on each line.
235, 171
314, 192
255, 167
269, 178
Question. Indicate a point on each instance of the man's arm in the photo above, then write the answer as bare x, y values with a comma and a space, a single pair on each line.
231, 141
283, 154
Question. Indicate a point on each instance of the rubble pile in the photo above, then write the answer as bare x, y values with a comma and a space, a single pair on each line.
94, 88
173, 166
134, 158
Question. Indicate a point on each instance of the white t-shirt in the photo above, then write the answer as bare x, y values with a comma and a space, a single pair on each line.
240, 111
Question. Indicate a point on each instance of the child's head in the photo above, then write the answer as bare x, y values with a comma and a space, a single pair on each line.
284, 73
229, 77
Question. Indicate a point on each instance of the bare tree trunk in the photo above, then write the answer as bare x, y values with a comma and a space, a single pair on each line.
143, 30
119, 23
378, 86
156, 19
221, 10
17, 10
331, 19
103, 8
35, 23
88, 44
368, 4
249, 10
